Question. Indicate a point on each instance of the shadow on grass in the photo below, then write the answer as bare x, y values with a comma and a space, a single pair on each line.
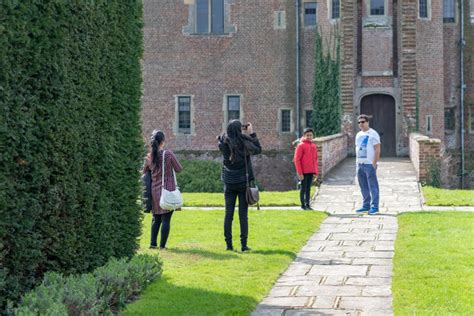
276, 252
165, 298
204, 253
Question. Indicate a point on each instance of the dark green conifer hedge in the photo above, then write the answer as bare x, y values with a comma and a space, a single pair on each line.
70, 137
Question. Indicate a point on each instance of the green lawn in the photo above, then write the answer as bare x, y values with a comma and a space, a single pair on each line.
201, 278
434, 264
267, 198
445, 197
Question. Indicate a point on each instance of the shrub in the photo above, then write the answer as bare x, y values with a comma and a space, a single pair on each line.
200, 176
103, 292
71, 143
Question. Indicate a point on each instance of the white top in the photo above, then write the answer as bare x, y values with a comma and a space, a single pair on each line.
365, 142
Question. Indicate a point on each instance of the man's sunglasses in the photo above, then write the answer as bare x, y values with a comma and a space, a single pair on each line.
362, 122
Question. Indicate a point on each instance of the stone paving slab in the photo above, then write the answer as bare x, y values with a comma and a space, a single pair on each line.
348, 276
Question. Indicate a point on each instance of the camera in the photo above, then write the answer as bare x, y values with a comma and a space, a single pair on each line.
245, 126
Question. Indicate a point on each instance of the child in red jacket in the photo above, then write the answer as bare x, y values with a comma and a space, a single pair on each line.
306, 163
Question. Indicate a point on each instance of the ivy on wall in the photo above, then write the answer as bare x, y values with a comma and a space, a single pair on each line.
327, 108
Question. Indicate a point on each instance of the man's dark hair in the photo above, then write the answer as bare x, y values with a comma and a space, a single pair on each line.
307, 130
364, 116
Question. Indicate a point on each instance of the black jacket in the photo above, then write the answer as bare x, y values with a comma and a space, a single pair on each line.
234, 172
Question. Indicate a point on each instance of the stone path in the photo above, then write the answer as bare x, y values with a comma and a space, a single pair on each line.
399, 191
344, 269
346, 266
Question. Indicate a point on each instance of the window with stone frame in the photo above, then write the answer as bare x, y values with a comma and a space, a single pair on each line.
423, 9
309, 118
310, 14
335, 9
449, 11
233, 107
184, 114
210, 16
377, 7
449, 122
285, 120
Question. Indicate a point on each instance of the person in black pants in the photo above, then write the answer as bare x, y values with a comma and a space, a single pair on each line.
236, 148
306, 164
154, 163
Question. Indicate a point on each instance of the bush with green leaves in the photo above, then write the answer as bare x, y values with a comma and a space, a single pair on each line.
103, 292
71, 144
200, 176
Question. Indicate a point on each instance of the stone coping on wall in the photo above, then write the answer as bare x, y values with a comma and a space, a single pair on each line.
328, 138
423, 138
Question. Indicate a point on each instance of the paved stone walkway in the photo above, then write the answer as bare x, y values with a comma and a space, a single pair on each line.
346, 266
344, 269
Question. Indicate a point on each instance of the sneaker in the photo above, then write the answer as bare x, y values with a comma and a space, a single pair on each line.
373, 211
304, 208
245, 248
152, 247
362, 210
229, 248
308, 208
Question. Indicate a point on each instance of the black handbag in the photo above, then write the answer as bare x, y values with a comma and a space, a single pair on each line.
251, 193
147, 196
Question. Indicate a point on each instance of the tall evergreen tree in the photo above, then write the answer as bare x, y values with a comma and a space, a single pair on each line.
327, 92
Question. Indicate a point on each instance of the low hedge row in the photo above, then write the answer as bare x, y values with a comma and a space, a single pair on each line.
200, 176
104, 291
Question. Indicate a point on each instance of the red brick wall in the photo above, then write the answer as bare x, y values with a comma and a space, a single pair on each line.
256, 62
423, 150
331, 151
430, 70
374, 82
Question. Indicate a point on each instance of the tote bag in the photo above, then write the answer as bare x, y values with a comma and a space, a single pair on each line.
170, 200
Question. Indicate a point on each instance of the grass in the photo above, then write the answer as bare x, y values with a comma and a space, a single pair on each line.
267, 198
201, 278
434, 264
444, 197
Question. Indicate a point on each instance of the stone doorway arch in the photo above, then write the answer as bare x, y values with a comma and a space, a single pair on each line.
382, 109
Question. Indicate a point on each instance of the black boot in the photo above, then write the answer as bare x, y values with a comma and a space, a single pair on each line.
245, 248
229, 245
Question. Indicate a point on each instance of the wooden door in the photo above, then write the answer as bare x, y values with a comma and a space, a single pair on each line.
381, 108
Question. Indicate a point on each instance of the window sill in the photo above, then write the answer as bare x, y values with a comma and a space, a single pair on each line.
209, 34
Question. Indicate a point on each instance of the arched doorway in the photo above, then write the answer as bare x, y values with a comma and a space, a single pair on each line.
382, 109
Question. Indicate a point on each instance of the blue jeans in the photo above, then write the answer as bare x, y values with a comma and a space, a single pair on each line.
369, 186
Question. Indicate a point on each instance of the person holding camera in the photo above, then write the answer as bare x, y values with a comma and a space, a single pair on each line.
306, 164
236, 146
154, 163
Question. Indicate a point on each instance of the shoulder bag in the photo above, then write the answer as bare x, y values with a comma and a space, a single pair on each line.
251, 194
170, 200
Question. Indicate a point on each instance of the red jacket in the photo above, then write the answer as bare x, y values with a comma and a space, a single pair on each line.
306, 157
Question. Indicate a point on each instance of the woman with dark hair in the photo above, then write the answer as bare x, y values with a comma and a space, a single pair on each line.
236, 148
154, 163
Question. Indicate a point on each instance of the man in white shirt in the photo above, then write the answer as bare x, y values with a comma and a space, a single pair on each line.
367, 155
